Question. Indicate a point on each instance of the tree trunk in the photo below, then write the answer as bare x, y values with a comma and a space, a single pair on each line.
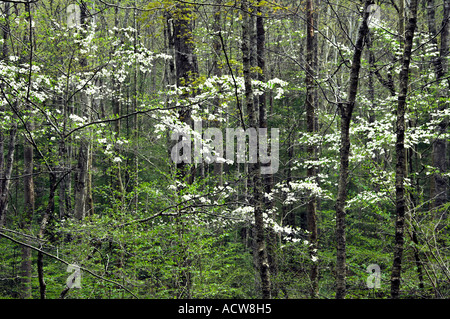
6, 173
186, 67
311, 213
413, 232
254, 169
6, 166
2, 108
400, 169
439, 182
45, 219
28, 181
64, 185
29, 201
268, 178
346, 110
81, 180
217, 71
186, 70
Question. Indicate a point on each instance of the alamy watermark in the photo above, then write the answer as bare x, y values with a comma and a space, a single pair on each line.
74, 279
208, 146
374, 279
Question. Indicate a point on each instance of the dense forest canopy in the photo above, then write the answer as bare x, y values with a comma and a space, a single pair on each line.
224, 149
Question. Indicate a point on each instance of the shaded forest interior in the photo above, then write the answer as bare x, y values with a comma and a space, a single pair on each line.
118, 178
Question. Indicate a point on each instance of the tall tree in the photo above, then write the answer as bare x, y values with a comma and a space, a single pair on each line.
81, 179
311, 58
439, 182
186, 66
6, 165
28, 180
254, 170
267, 179
400, 168
346, 111
217, 71
186, 70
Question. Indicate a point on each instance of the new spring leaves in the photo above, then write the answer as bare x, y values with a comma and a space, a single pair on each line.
209, 149
209, 146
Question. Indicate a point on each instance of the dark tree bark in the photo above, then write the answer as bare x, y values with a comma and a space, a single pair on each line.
217, 71
400, 169
186, 67
186, 70
439, 183
64, 202
5, 33
44, 222
413, 231
267, 179
6, 165
6, 173
254, 169
81, 179
311, 210
28, 181
346, 110
29, 202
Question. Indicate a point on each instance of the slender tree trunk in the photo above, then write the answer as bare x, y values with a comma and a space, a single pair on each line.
5, 33
64, 185
89, 200
289, 214
135, 119
186, 70
186, 67
217, 71
346, 110
27, 217
311, 54
254, 169
401, 21
45, 219
6, 173
400, 170
439, 182
28, 181
268, 178
414, 237
6, 166
2, 161
89, 209
81, 180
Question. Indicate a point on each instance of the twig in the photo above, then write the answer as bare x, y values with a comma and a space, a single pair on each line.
234, 80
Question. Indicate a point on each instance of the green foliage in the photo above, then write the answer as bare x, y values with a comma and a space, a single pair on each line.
103, 94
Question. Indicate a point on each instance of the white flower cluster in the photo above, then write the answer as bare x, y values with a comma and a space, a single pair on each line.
36, 88
77, 118
366, 198
260, 87
307, 187
244, 212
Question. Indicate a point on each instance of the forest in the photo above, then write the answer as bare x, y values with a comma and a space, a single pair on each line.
224, 149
